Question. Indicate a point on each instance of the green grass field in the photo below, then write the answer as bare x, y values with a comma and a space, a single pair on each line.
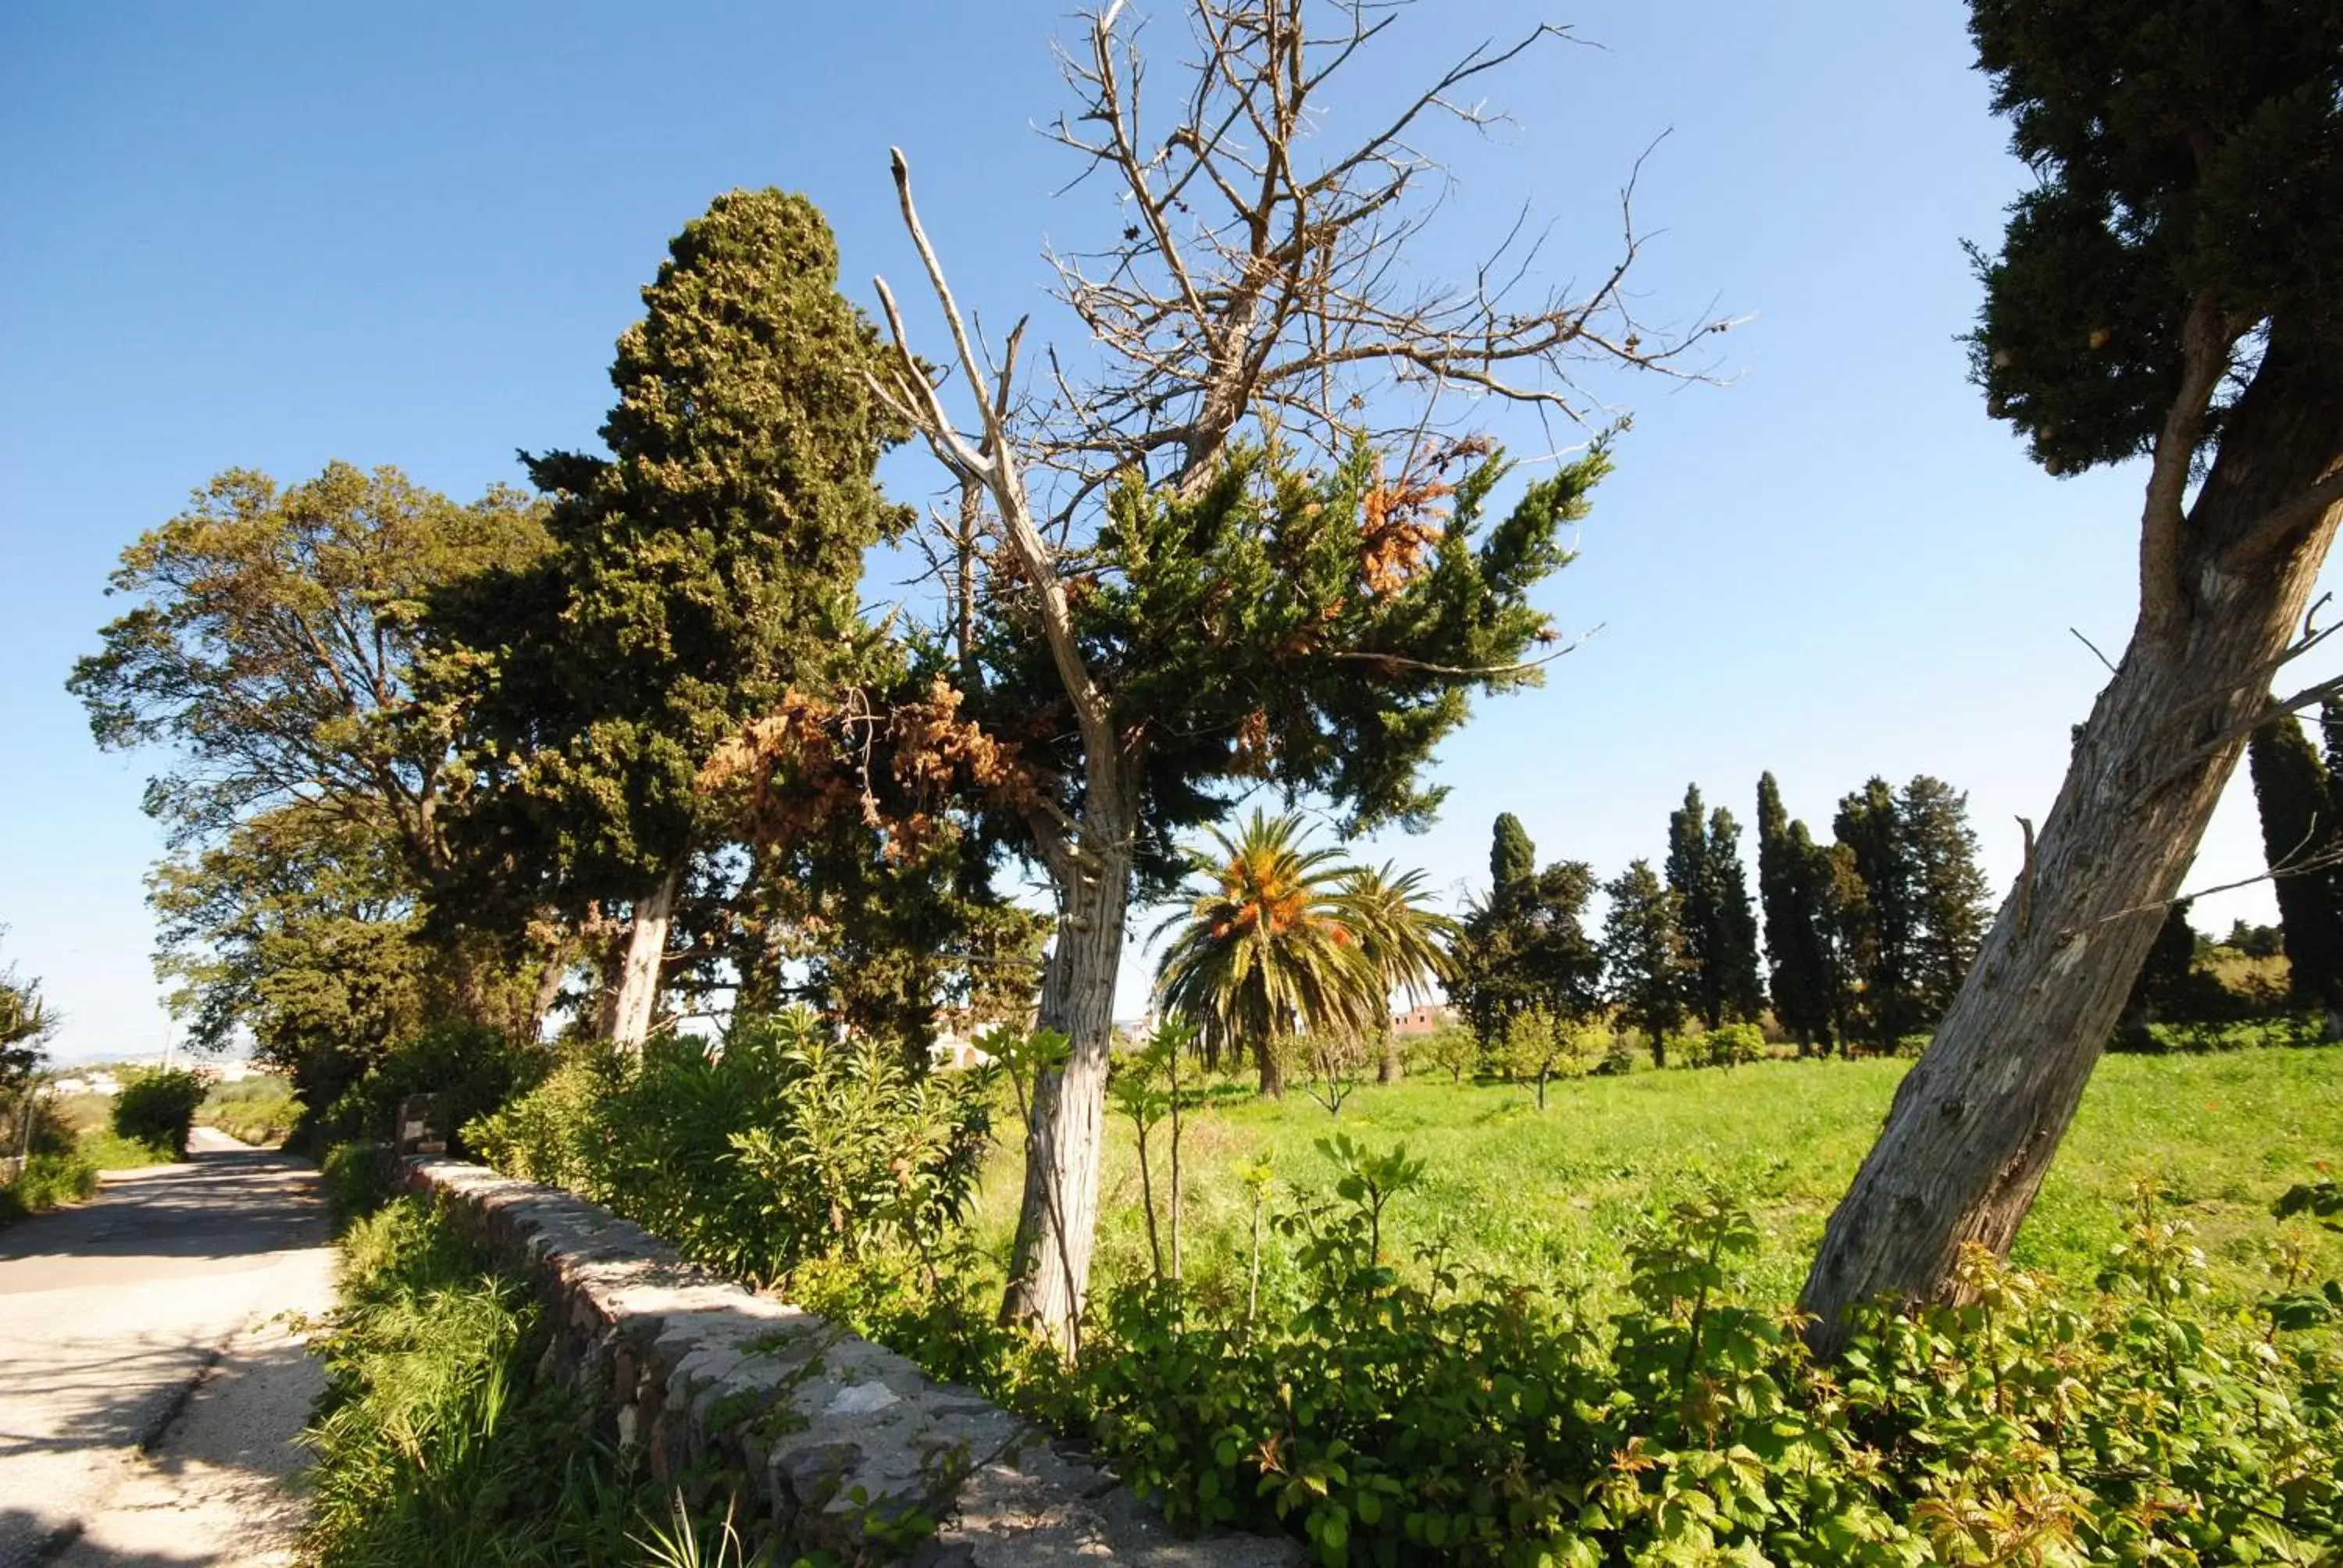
1553, 1196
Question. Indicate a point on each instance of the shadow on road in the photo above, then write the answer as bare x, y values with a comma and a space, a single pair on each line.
110, 1314
231, 1204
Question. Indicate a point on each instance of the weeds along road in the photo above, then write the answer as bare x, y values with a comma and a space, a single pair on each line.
154, 1371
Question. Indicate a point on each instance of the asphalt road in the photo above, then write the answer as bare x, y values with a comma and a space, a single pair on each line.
154, 1371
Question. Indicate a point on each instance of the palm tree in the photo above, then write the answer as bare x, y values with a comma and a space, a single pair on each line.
1265, 951
1404, 943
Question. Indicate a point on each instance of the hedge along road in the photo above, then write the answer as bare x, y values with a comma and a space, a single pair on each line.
154, 1371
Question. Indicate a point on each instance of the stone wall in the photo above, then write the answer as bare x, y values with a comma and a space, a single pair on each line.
838, 1444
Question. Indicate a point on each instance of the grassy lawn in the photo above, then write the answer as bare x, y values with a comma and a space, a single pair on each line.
1553, 1196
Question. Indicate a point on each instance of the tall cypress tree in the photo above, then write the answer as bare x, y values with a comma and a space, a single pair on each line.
1512, 859
1793, 885
2296, 795
1720, 932
1740, 978
1880, 925
704, 567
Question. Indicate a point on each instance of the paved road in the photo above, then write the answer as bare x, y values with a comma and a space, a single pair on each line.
152, 1365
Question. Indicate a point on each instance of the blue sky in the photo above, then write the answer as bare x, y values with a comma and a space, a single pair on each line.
274, 235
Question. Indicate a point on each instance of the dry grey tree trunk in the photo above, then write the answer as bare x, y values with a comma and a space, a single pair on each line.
2224, 595
638, 975
1057, 1218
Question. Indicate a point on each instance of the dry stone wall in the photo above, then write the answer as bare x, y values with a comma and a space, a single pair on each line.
837, 1445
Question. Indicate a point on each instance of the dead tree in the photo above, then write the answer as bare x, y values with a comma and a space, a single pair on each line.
1254, 283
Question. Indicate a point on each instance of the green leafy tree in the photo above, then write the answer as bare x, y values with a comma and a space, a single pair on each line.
700, 571
1264, 953
1794, 895
1648, 974
2302, 841
299, 927
27, 1024
2169, 287
274, 654
1404, 942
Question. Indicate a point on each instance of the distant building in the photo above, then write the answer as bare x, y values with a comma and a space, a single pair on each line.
1422, 1020
955, 1052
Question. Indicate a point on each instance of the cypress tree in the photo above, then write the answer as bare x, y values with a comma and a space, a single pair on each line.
2169, 287
701, 570
2295, 794
1878, 928
1740, 981
1792, 886
1697, 912
1512, 859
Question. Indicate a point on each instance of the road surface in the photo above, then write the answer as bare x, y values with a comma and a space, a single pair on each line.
154, 1368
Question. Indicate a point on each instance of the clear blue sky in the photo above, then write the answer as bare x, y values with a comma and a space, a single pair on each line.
273, 235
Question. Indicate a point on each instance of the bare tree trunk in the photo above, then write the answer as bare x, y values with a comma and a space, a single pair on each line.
639, 977
1393, 1066
1065, 1136
1975, 1124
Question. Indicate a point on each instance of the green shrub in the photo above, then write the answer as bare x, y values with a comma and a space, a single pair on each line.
778, 1145
46, 1182
473, 1070
109, 1150
357, 1181
1734, 1045
157, 1108
1389, 1416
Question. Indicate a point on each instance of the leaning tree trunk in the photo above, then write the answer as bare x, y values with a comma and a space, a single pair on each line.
638, 976
1974, 1124
1065, 1136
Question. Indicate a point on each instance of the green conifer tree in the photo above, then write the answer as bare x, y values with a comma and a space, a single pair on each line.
1646, 970
1512, 859
1793, 895
1948, 892
1879, 926
1739, 978
701, 570
2300, 838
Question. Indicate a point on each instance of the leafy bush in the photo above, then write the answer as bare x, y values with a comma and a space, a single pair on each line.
1734, 1045
473, 1070
46, 1182
1449, 1049
438, 1441
107, 1149
778, 1145
357, 1181
1389, 1417
157, 1108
